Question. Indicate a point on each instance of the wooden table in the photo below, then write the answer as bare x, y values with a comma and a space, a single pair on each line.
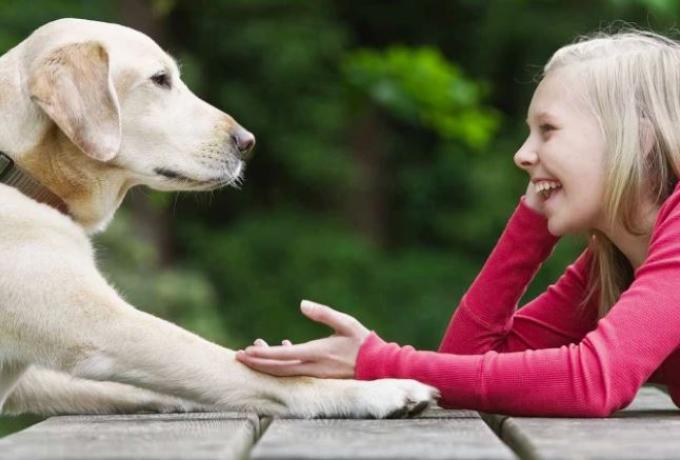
648, 429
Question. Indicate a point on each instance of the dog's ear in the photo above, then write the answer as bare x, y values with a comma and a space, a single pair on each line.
73, 86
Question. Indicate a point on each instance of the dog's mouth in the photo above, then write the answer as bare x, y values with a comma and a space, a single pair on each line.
227, 178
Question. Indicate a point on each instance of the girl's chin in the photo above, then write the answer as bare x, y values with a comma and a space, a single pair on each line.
559, 228
555, 230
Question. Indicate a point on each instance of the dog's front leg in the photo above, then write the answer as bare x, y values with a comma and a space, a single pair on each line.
47, 392
74, 322
145, 351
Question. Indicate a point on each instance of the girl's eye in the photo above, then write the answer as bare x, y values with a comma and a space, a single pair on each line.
546, 127
161, 79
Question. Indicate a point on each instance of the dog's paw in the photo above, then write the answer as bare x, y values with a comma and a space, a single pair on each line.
385, 398
333, 398
393, 398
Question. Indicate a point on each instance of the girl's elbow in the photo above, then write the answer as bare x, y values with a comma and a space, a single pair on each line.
597, 411
606, 406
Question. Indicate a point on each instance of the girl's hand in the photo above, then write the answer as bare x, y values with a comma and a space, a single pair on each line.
533, 200
331, 357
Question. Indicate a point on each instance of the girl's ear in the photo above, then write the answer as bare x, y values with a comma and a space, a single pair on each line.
73, 87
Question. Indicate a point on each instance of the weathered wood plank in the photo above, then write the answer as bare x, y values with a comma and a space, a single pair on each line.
438, 412
437, 434
648, 428
154, 436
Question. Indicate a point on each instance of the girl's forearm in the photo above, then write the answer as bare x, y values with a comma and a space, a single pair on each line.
485, 312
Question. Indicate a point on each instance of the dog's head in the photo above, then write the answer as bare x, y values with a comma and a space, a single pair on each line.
119, 115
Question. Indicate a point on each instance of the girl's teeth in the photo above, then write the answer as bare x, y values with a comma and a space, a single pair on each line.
546, 188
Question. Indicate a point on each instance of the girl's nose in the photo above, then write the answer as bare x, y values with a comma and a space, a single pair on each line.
526, 157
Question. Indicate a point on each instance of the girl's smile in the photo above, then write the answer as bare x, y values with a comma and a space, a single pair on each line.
546, 188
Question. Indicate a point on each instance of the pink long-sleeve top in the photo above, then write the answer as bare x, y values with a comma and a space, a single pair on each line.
552, 357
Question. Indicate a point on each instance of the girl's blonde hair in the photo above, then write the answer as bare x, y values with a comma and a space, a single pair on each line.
632, 81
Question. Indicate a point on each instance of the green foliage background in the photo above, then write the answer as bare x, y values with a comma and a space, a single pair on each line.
383, 172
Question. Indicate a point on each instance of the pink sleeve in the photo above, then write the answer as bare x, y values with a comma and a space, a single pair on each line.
487, 318
593, 378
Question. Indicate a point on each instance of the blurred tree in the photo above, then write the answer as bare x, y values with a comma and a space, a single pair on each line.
420, 86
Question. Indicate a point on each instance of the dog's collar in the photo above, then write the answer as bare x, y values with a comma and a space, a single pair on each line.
12, 175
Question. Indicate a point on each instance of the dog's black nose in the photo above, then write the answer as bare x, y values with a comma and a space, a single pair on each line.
244, 141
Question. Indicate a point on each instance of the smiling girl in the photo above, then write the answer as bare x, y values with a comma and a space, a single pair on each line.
603, 157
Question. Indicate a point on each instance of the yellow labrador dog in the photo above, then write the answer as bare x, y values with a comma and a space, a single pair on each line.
88, 110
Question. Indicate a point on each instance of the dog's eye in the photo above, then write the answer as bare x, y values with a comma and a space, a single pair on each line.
162, 79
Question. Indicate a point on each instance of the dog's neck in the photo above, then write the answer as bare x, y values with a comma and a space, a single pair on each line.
56, 173
91, 191
13, 176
